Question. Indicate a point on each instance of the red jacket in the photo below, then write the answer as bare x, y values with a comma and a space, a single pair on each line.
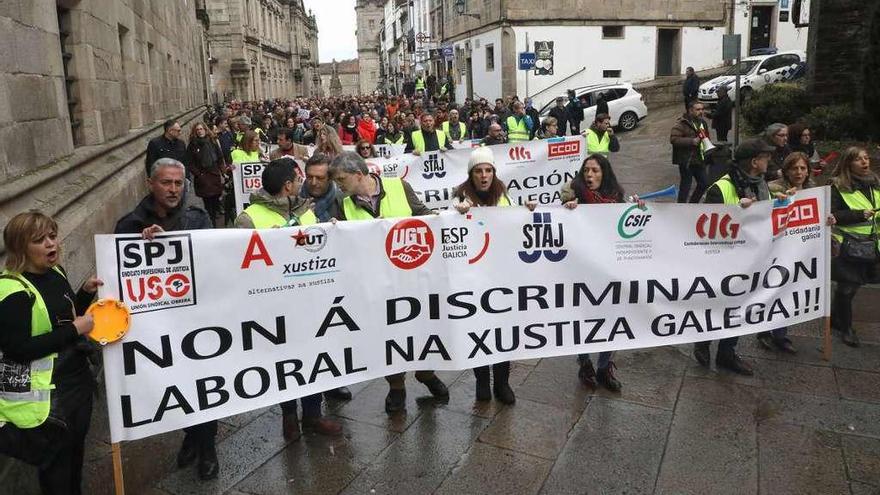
367, 130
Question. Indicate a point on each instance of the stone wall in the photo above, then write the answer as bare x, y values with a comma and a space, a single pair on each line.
370, 14
130, 65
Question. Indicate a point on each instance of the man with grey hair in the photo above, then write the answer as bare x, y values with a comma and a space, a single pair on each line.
163, 210
743, 185
370, 196
776, 136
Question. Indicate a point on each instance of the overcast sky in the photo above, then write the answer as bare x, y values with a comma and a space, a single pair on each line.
336, 27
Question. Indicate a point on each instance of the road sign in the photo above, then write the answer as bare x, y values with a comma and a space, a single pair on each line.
447, 52
730, 46
527, 60
422, 37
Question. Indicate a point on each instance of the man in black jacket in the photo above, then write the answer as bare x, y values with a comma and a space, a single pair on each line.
168, 145
575, 113
163, 210
722, 115
560, 113
690, 89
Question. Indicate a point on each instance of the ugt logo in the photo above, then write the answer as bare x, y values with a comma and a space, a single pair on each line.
433, 167
542, 237
409, 244
715, 225
519, 153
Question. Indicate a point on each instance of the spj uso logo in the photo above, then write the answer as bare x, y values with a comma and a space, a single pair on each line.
156, 274
433, 166
541, 237
409, 244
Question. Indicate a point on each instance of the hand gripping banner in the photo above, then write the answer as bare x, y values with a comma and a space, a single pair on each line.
227, 321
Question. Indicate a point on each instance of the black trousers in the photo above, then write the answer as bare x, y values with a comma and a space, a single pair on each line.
841, 306
689, 174
63, 475
202, 434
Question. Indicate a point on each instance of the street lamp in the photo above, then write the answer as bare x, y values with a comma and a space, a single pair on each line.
460, 9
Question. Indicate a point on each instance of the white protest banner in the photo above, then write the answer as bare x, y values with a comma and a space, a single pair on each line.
532, 170
246, 179
382, 150
228, 321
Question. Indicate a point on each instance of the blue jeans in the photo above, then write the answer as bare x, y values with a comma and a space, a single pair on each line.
690, 173
604, 359
311, 406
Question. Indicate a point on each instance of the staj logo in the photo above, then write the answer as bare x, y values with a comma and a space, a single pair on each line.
541, 237
563, 148
409, 244
156, 274
798, 214
714, 226
519, 153
433, 166
632, 222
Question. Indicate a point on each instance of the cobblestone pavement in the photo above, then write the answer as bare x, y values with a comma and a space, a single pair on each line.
800, 425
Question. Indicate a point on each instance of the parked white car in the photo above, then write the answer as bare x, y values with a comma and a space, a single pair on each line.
625, 104
757, 72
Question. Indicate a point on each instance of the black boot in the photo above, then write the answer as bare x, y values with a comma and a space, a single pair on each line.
395, 401
850, 338
208, 464
188, 451
586, 372
605, 376
484, 392
702, 353
502, 389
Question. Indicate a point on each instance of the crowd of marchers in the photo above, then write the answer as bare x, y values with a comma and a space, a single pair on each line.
47, 386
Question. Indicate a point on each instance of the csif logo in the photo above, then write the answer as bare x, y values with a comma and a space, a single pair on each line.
312, 239
409, 244
633, 222
541, 237
713, 226
519, 153
433, 166
798, 214
563, 148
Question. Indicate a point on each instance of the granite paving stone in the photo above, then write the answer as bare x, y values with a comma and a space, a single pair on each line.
318, 464
489, 470
711, 448
422, 457
531, 427
615, 447
800, 460
863, 459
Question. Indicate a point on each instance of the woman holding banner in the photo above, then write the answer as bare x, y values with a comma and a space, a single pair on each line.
595, 183
483, 188
855, 203
795, 176
46, 384
365, 149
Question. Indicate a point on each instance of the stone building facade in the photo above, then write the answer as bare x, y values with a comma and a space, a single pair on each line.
261, 49
340, 78
370, 14
83, 86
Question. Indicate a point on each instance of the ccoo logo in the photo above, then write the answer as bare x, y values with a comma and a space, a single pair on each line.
433, 166
714, 226
409, 244
519, 153
798, 214
542, 238
563, 148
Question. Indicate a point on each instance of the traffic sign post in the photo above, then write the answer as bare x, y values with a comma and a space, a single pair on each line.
527, 60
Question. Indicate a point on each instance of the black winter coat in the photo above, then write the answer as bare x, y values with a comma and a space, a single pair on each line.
181, 218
